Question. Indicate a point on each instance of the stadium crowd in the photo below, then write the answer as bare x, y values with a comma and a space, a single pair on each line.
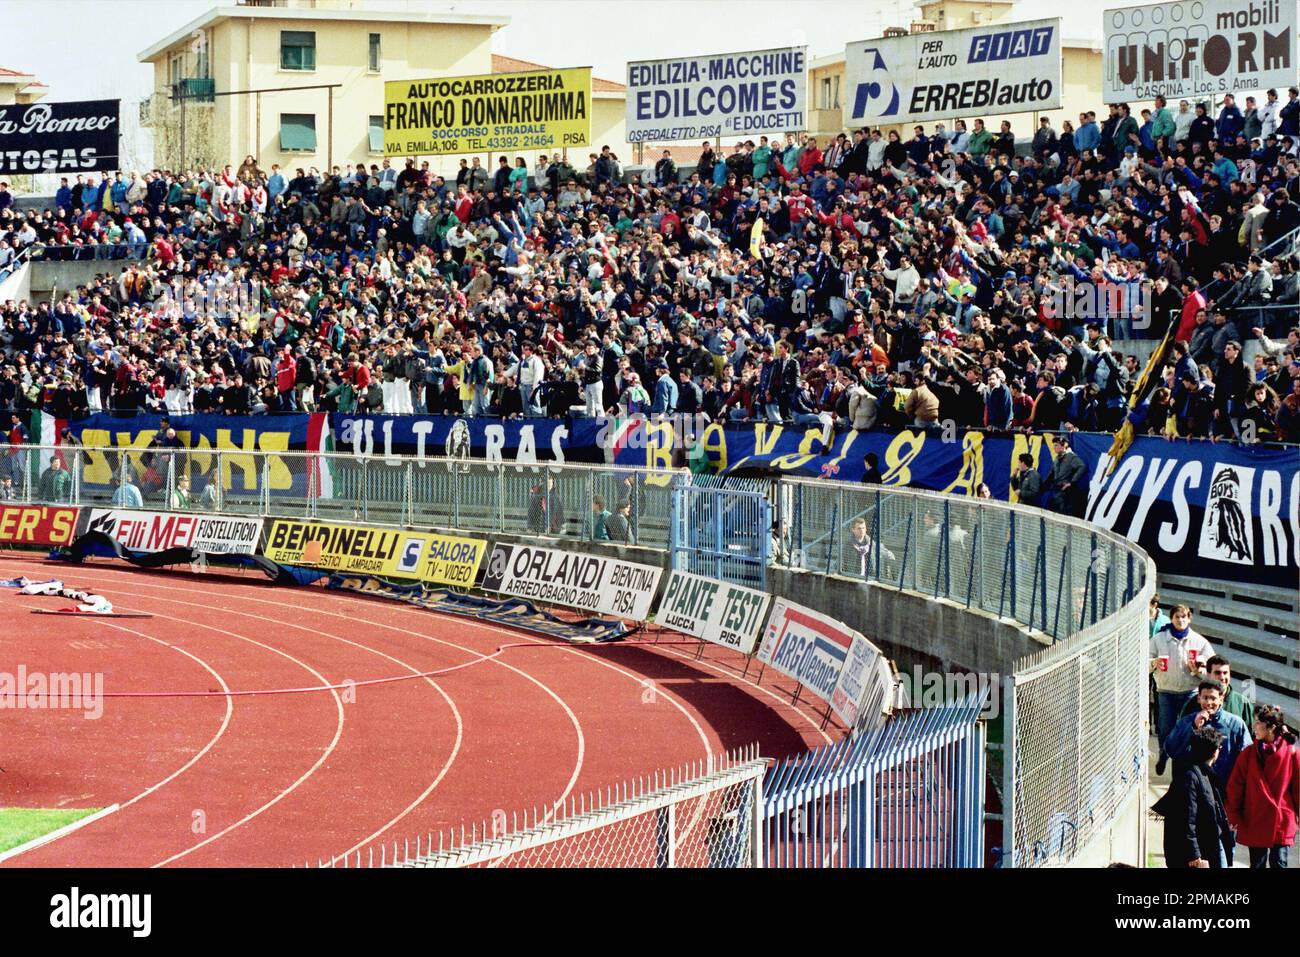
869, 282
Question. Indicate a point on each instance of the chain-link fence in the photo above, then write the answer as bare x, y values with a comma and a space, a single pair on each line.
1076, 736
706, 814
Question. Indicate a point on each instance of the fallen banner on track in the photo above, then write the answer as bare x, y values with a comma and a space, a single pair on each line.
589, 582
389, 552
98, 544
78, 613
514, 613
717, 611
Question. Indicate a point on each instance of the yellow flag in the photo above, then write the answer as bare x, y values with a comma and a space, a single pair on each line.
1146, 384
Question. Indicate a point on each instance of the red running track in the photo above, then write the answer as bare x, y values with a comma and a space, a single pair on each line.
223, 778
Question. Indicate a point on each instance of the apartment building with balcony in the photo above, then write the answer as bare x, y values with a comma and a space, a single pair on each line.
301, 82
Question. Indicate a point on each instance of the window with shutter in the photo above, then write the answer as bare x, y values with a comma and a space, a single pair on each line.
298, 132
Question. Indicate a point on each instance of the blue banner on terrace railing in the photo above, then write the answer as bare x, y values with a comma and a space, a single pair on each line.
1216, 511
1221, 510
202, 435
524, 440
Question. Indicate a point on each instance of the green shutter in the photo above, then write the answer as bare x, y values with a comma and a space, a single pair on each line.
298, 132
376, 134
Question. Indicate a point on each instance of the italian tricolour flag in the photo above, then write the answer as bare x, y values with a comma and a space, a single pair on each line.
320, 439
46, 431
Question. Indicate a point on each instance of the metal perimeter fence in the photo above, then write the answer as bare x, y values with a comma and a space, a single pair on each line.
705, 814
908, 794
1069, 770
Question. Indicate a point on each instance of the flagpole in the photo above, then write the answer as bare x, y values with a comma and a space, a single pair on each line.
1125, 435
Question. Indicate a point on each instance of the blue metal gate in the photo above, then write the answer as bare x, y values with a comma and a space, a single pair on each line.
723, 533
909, 794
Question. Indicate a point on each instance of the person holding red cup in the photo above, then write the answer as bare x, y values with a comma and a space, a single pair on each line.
1178, 656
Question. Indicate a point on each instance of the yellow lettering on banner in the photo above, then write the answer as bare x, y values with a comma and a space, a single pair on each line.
247, 463
844, 451
905, 447
972, 465
714, 442
199, 458
659, 454
763, 442
805, 453
277, 471
139, 443
1035, 446
96, 469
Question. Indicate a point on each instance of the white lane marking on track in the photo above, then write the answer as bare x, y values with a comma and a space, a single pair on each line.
338, 732
225, 721
640, 681
573, 718
399, 607
451, 703
338, 704
813, 722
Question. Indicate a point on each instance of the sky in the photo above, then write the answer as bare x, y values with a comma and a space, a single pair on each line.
86, 49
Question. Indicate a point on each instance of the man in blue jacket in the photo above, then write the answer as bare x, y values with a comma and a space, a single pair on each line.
997, 402
1289, 116
90, 194
1088, 135
275, 184
665, 401
118, 193
1209, 697
1230, 121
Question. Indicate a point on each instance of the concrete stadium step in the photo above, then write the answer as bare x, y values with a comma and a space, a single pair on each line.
1279, 676
1289, 704
1253, 640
